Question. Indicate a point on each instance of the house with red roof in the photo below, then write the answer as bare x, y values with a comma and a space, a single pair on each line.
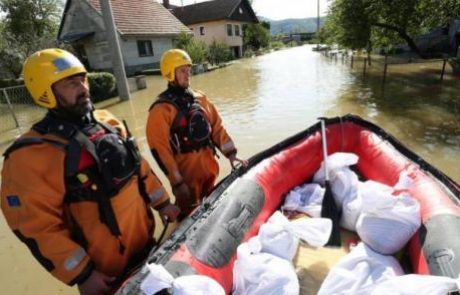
145, 29
218, 20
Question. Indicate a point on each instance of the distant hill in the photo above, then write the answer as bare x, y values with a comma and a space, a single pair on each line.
296, 25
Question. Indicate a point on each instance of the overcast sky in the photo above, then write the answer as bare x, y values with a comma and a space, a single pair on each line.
277, 9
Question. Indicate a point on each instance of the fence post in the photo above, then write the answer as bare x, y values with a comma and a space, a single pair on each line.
351, 61
10, 107
443, 69
385, 70
365, 65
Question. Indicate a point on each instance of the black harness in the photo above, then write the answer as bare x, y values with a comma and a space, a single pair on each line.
191, 129
116, 160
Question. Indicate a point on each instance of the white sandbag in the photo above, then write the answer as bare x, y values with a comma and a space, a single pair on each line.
417, 284
344, 185
387, 222
359, 272
367, 192
159, 278
351, 209
258, 273
335, 161
344, 182
280, 237
307, 198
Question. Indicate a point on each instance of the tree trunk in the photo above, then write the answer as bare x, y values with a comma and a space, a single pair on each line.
402, 33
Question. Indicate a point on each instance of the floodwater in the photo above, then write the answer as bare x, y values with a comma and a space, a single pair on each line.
268, 98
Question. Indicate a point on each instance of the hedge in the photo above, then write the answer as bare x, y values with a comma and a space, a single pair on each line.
102, 86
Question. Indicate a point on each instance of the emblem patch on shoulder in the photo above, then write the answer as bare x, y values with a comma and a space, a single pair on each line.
13, 201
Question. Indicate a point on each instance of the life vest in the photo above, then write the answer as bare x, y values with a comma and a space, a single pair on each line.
191, 129
98, 163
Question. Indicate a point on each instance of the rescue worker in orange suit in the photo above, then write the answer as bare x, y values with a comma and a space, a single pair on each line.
183, 131
75, 190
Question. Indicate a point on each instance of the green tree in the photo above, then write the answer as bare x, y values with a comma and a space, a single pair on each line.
27, 26
255, 36
219, 52
360, 23
196, 49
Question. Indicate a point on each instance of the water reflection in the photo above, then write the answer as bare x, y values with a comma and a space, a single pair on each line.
416, 107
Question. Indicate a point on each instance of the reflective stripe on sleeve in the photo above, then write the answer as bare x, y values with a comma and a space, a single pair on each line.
228, 146
156, 195
73, 261
177, 175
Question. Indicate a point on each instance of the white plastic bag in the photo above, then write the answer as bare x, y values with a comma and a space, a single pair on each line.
307, 199
258, 273
280, 237
365, 197
344, 182
359, 272
335, 161
417, 284
159, 278
387, 222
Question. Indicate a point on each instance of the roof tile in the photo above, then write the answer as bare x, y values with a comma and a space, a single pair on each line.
142, 17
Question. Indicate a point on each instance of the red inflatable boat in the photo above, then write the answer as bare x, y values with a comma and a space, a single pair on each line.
206, 242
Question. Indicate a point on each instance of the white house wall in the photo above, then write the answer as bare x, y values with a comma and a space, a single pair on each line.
82, 18
134, 62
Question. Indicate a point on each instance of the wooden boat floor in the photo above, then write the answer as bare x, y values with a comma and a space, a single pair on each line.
313, 264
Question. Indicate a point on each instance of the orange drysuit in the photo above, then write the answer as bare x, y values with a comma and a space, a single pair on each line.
198, 169
68, 237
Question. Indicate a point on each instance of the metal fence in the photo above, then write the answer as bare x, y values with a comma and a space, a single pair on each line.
17, 109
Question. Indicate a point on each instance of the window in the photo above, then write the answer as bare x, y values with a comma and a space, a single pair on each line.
144, 47
240, 10
201, 31
229, 30
237, 30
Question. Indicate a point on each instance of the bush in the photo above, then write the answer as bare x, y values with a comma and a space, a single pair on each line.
196, 49
219, 53
102, 86
276, 45
249, 52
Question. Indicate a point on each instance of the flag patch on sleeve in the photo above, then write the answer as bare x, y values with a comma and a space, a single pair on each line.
13, 201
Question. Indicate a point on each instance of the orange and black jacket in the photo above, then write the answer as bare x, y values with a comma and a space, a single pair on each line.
71, 221
180, 166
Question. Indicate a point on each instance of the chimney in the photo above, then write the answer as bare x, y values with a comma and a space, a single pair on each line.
166, 4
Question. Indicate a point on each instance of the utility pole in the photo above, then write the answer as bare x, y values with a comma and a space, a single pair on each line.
117, 57
317, 25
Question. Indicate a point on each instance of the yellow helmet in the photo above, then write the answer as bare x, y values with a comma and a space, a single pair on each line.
171, 60
44, 68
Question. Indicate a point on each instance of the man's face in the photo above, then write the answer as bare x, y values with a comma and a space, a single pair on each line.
183, 76
72, 94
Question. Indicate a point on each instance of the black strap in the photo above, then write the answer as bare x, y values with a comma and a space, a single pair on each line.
182, 108
77, 139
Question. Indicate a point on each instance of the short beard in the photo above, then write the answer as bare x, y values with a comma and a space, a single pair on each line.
77, 110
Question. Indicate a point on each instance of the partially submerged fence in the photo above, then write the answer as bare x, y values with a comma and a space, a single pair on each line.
17, 108
435, 69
